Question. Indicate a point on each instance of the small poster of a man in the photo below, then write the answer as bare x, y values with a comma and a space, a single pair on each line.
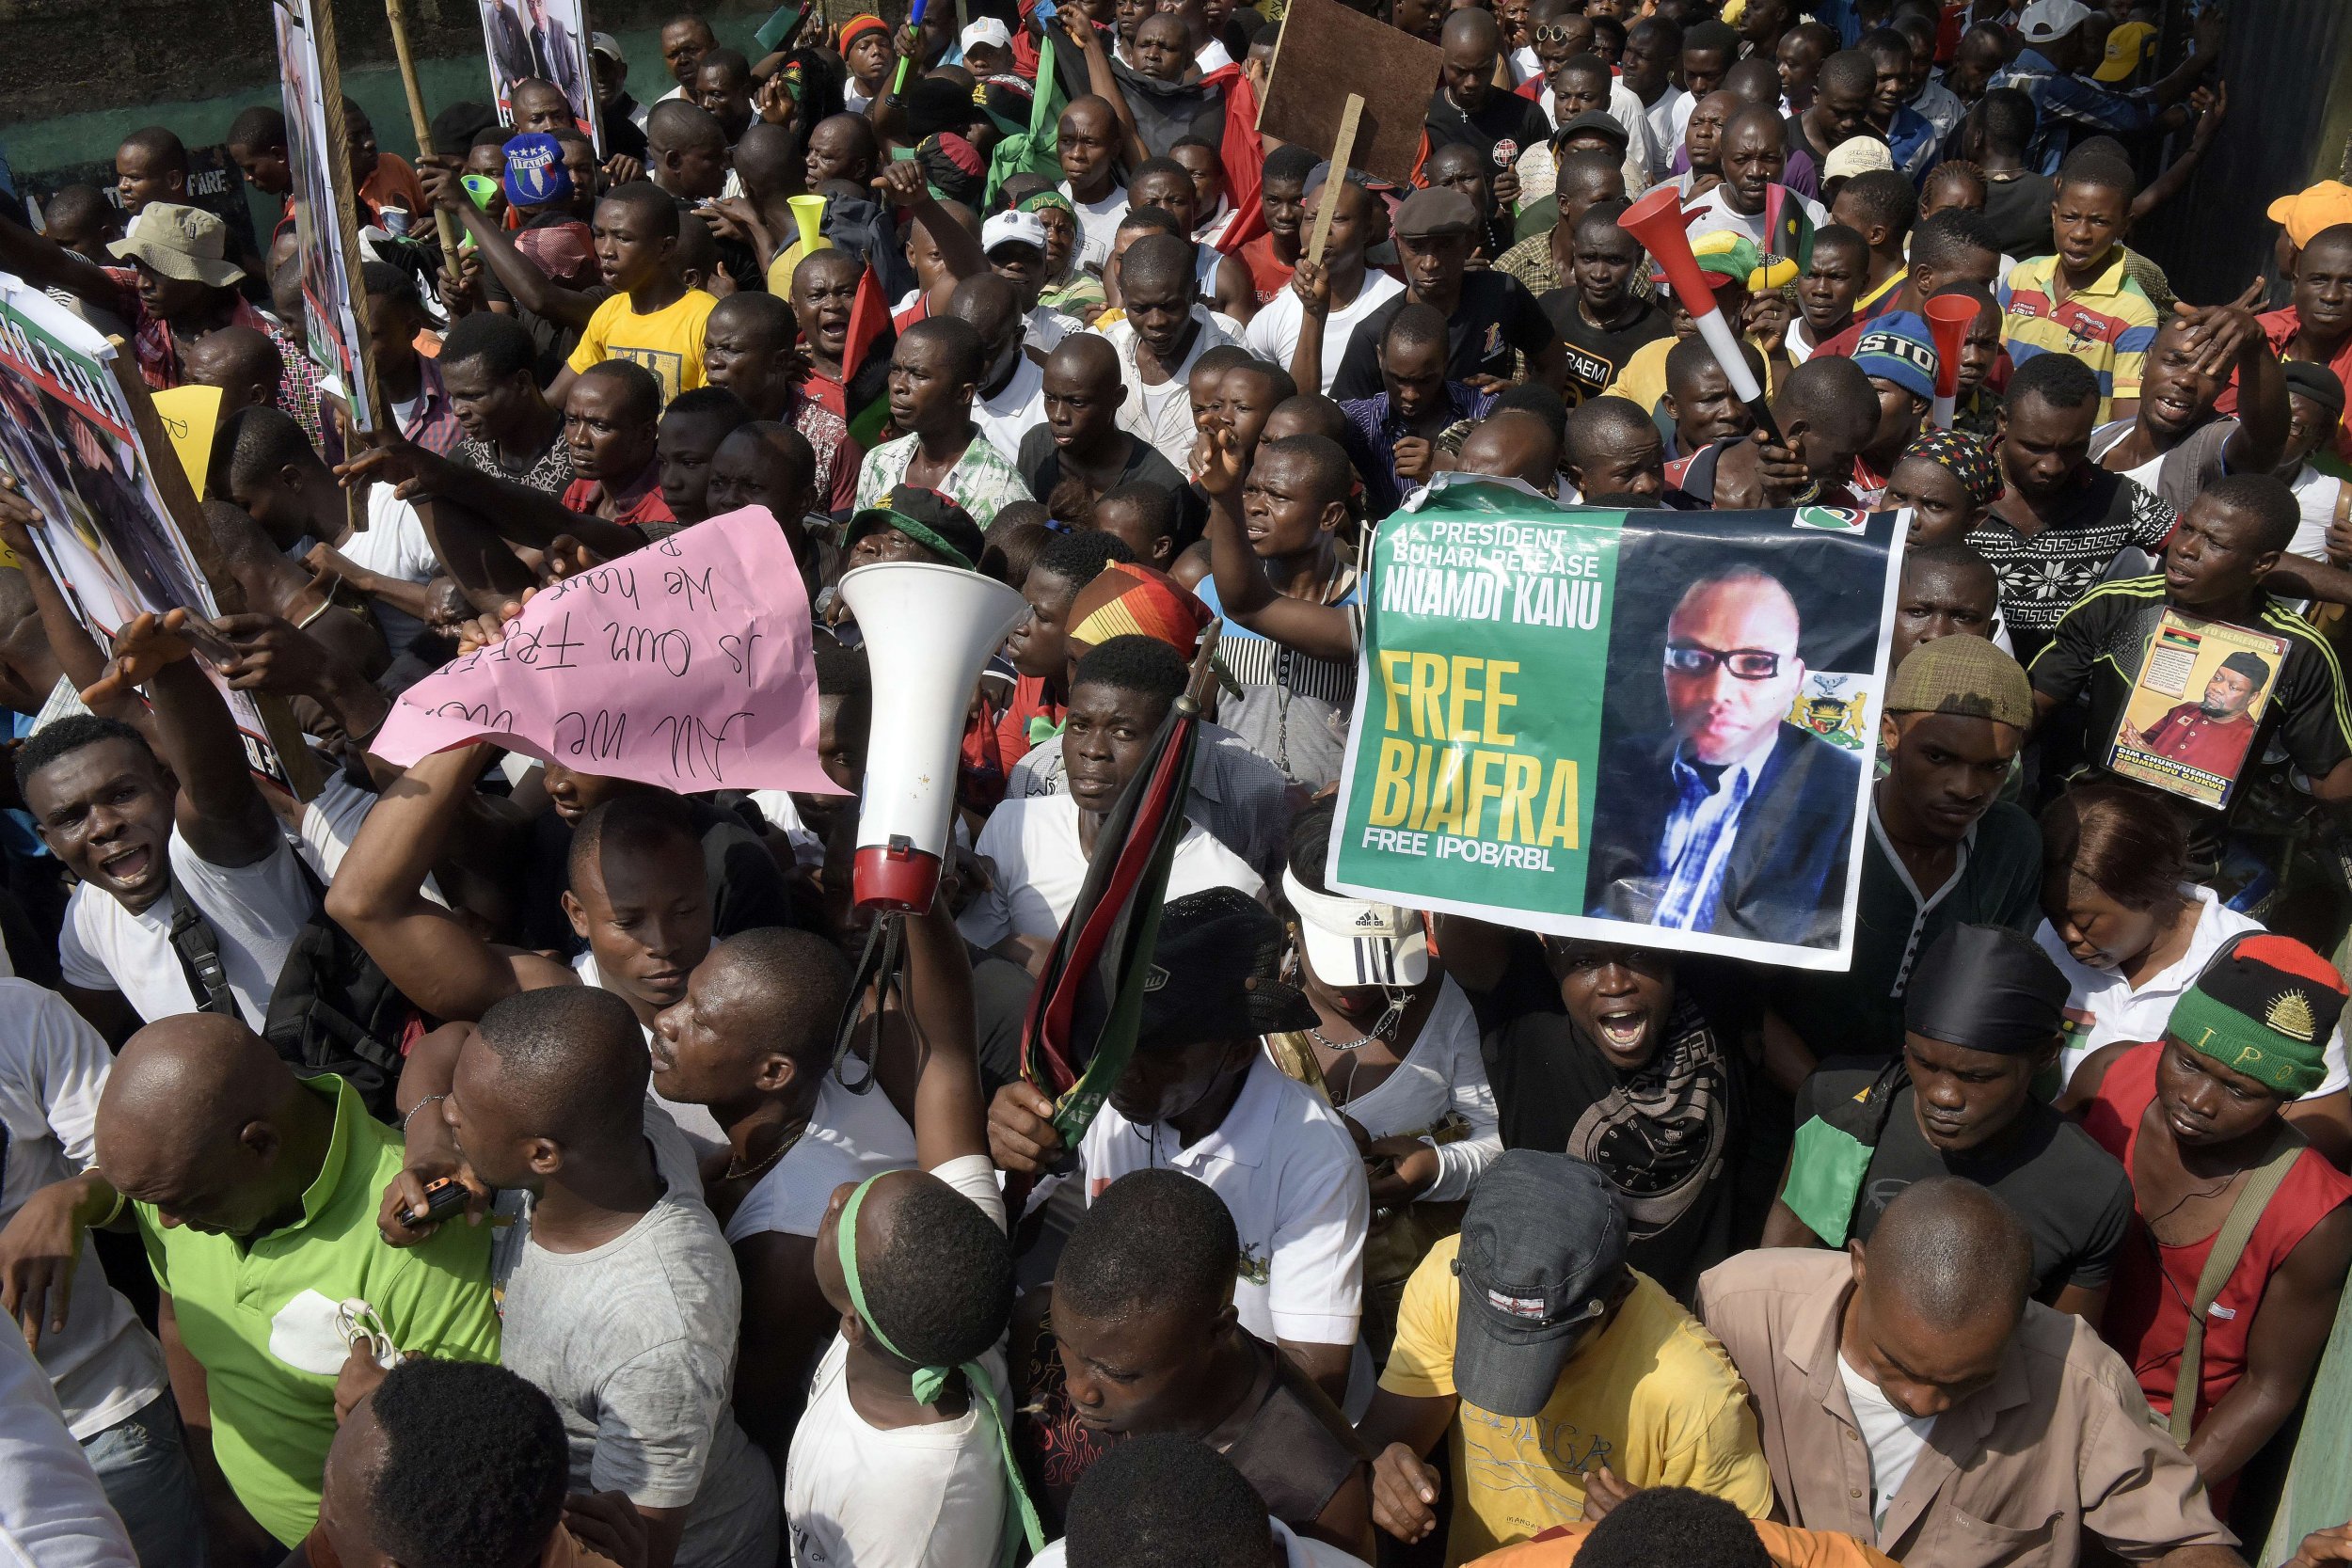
2199, 700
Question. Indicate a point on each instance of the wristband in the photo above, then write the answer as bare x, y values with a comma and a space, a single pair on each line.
114, 1213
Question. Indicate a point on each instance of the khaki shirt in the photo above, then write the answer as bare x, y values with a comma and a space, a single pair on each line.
2059, 1445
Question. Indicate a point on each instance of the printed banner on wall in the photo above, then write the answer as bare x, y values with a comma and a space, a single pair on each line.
1645, 727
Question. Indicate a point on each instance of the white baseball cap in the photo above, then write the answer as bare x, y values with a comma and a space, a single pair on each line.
1014, 228
1857, 155
606, 45
2046, 21
1350, 942
988, 31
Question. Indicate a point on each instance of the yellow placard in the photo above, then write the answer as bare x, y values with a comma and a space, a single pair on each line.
190, 413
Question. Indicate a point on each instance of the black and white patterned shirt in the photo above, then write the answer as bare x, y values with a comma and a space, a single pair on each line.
2043, 577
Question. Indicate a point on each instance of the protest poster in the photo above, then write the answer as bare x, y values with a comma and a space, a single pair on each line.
1324, 51
2198, 697
685, 664
121, 533
546, 38
327, 207
1548, 695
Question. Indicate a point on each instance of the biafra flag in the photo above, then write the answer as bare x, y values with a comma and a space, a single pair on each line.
1787, 233
1833, 1155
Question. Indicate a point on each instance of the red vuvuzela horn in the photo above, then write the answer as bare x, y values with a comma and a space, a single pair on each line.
1949, 316
1656, 220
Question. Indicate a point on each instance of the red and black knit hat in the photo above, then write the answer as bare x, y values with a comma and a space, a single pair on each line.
2264, 1007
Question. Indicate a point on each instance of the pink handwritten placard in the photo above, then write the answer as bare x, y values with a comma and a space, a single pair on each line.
685, 664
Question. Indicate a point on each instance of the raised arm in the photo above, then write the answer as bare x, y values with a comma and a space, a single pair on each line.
1319, 631
950, 1115
220, 810
79, 657
533, 290
38, 259
378, 896
1103, 83
902, 186
496, 507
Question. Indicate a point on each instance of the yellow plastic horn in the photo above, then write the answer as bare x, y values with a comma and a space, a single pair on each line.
809, 212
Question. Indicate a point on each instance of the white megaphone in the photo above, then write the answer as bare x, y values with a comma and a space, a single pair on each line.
928, 629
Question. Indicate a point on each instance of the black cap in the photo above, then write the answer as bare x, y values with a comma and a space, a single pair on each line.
1986, 987
2316, 382
1543, 1243
1213, 974
1594, 122
929, 518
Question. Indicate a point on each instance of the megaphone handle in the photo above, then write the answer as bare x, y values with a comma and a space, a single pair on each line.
1944, 410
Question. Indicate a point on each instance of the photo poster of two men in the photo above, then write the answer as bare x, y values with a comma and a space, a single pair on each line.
325, 203
546, 38
2200, 695
70, 439
1649, 727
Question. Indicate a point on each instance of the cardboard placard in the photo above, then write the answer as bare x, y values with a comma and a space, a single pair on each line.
1327, 52
122, 533
326, 206
2197, 703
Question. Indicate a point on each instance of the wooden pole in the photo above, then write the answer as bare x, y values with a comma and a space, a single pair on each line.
1339, 152
395, 13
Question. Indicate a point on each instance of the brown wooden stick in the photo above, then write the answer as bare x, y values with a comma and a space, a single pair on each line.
444, 222
1340, 151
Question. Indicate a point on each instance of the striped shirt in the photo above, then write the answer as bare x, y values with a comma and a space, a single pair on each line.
1293, 709
2107, 325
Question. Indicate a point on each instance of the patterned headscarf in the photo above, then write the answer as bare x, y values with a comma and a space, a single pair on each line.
1131, 600
1969, 459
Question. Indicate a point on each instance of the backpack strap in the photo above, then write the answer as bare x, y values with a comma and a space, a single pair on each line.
2229, 1245
193, 940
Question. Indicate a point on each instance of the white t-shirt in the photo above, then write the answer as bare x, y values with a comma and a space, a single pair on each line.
1038, 869
1443, 1071
254, 912
944, 1505
2102, 1007
1297, 1552
1667, 117
53, 1512
849, 1137
1715, 213
2315, 496
331, 821
1289, 1172
1098, 226
1895, 1439
1015, 411
1273, 332
393, 545
1047, 327
53, 1068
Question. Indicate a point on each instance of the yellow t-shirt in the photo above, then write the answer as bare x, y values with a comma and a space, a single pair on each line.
1655, 1397
668, 343
1643, 377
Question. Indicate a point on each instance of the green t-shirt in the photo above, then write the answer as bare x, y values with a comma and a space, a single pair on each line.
261, 1318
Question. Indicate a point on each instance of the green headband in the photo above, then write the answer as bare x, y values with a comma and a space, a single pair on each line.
1048, 199
1020, 1513
923, 535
